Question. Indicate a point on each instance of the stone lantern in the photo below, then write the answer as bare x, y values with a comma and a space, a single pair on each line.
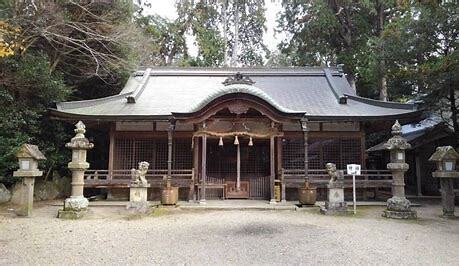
77, 205
446, 158
28, 157
398, 206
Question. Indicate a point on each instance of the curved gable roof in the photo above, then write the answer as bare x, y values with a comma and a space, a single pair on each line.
159, 92
239, 89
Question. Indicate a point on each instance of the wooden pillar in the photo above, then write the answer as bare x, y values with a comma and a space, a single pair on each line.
203, 169
418, 173
362, 148
238, 164
272, 164
192, 195
280, 171
111, 151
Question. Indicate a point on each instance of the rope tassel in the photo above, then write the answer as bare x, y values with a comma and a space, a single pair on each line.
220, 142
250, 142
236, 141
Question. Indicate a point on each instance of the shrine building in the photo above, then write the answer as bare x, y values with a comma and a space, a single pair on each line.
234, 132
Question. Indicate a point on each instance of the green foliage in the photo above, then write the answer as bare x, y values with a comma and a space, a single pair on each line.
219, 25
27, 89
74, 50
422, 45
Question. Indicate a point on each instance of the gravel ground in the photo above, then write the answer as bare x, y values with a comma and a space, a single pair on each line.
108, 236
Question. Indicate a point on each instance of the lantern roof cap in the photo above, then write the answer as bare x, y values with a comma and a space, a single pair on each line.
444, 153
30, 151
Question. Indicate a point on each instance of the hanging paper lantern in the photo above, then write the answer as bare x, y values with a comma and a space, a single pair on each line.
236, 141
220, 142
250, 142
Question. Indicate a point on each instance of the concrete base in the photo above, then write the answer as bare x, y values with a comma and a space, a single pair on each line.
400, 214
335, 208
71, 214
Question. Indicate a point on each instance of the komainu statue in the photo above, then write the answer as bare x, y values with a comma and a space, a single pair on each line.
334, 174
138, 176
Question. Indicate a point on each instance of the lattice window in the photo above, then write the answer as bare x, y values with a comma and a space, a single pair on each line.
340, 151
123, 156
221, 161
315, 154
161, 154
331, 152
143, 151
293, 153
255, 159
129, 152
351, 151
182, 154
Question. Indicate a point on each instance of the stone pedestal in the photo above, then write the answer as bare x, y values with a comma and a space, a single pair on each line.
138, 199
447, 191
77, 205
335, 203
26, 197
398, 207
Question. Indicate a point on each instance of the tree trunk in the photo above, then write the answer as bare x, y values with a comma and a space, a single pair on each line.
236, 34
225, 30
351, 79
382, 82
454, 114
382, 75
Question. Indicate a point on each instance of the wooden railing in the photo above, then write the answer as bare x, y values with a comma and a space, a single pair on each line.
320, 178
121, 178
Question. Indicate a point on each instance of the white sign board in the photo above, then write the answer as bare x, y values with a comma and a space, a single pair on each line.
353, 169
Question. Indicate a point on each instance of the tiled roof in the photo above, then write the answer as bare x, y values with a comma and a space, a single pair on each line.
159, 92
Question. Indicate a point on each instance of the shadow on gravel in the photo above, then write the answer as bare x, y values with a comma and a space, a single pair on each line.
257, 230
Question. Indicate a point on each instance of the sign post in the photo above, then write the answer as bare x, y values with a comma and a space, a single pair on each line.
353, 169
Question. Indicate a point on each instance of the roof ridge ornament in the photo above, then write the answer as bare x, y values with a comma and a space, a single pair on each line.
238, 78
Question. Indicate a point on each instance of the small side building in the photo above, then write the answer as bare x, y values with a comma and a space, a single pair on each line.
424, 136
